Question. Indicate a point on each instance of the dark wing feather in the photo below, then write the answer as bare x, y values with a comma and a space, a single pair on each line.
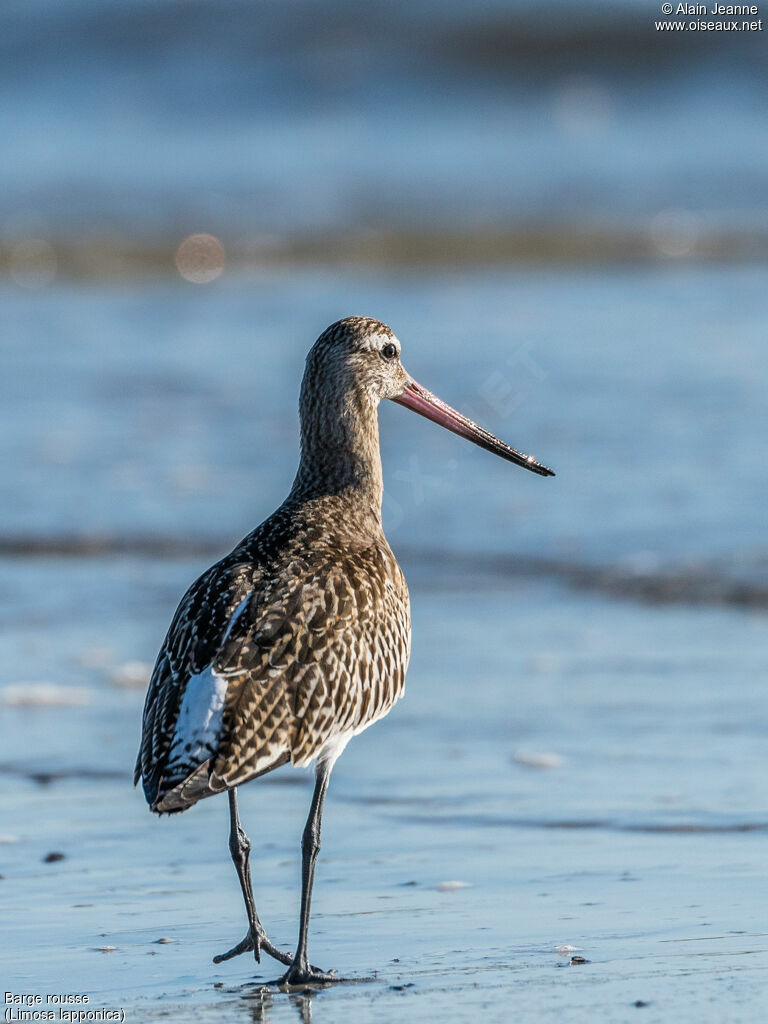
191, 644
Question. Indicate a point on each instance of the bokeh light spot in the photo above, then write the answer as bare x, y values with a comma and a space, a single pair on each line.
200, 259
675, 233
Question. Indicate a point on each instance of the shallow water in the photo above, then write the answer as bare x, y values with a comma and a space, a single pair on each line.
152, 120
166, 409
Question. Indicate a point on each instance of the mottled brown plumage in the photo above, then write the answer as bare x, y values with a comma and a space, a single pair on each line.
319, 649
300, 637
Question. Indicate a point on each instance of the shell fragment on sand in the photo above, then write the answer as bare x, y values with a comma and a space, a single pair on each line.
541, 761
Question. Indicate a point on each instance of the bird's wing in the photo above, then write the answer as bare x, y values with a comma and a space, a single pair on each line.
182, 673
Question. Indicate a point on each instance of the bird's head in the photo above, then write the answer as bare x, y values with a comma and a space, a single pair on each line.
358, 355
359, 358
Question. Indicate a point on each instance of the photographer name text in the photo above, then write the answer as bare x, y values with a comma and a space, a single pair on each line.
718, 10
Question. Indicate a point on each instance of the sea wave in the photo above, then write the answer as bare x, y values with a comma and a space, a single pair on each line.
738, 581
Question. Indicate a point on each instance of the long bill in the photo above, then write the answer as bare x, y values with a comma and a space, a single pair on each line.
426, 404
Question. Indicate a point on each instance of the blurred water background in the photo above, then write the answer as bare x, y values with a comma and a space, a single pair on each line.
563, 214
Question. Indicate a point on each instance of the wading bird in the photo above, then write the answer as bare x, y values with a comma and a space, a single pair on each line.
299, 639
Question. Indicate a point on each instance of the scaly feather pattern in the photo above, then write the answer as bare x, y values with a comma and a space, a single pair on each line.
300, 637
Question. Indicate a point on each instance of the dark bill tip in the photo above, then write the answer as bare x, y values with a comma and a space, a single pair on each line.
420, 400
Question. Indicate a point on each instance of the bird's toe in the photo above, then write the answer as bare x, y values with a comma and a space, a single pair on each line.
244, 946
258, 943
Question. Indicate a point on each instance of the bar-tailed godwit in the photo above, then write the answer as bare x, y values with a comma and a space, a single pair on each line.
300, 638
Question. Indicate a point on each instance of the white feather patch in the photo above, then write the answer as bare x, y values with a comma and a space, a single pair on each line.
200, 717
198, 726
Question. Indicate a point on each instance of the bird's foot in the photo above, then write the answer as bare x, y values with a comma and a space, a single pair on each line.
298, 977
256, 942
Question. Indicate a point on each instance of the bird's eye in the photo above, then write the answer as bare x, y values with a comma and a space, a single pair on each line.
389, 351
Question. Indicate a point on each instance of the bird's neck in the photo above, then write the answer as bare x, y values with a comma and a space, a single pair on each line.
340, 458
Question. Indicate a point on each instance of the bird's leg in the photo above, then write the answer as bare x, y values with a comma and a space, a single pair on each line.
301, 971
256, 939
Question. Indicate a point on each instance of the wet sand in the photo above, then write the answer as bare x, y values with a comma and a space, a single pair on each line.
641, 849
